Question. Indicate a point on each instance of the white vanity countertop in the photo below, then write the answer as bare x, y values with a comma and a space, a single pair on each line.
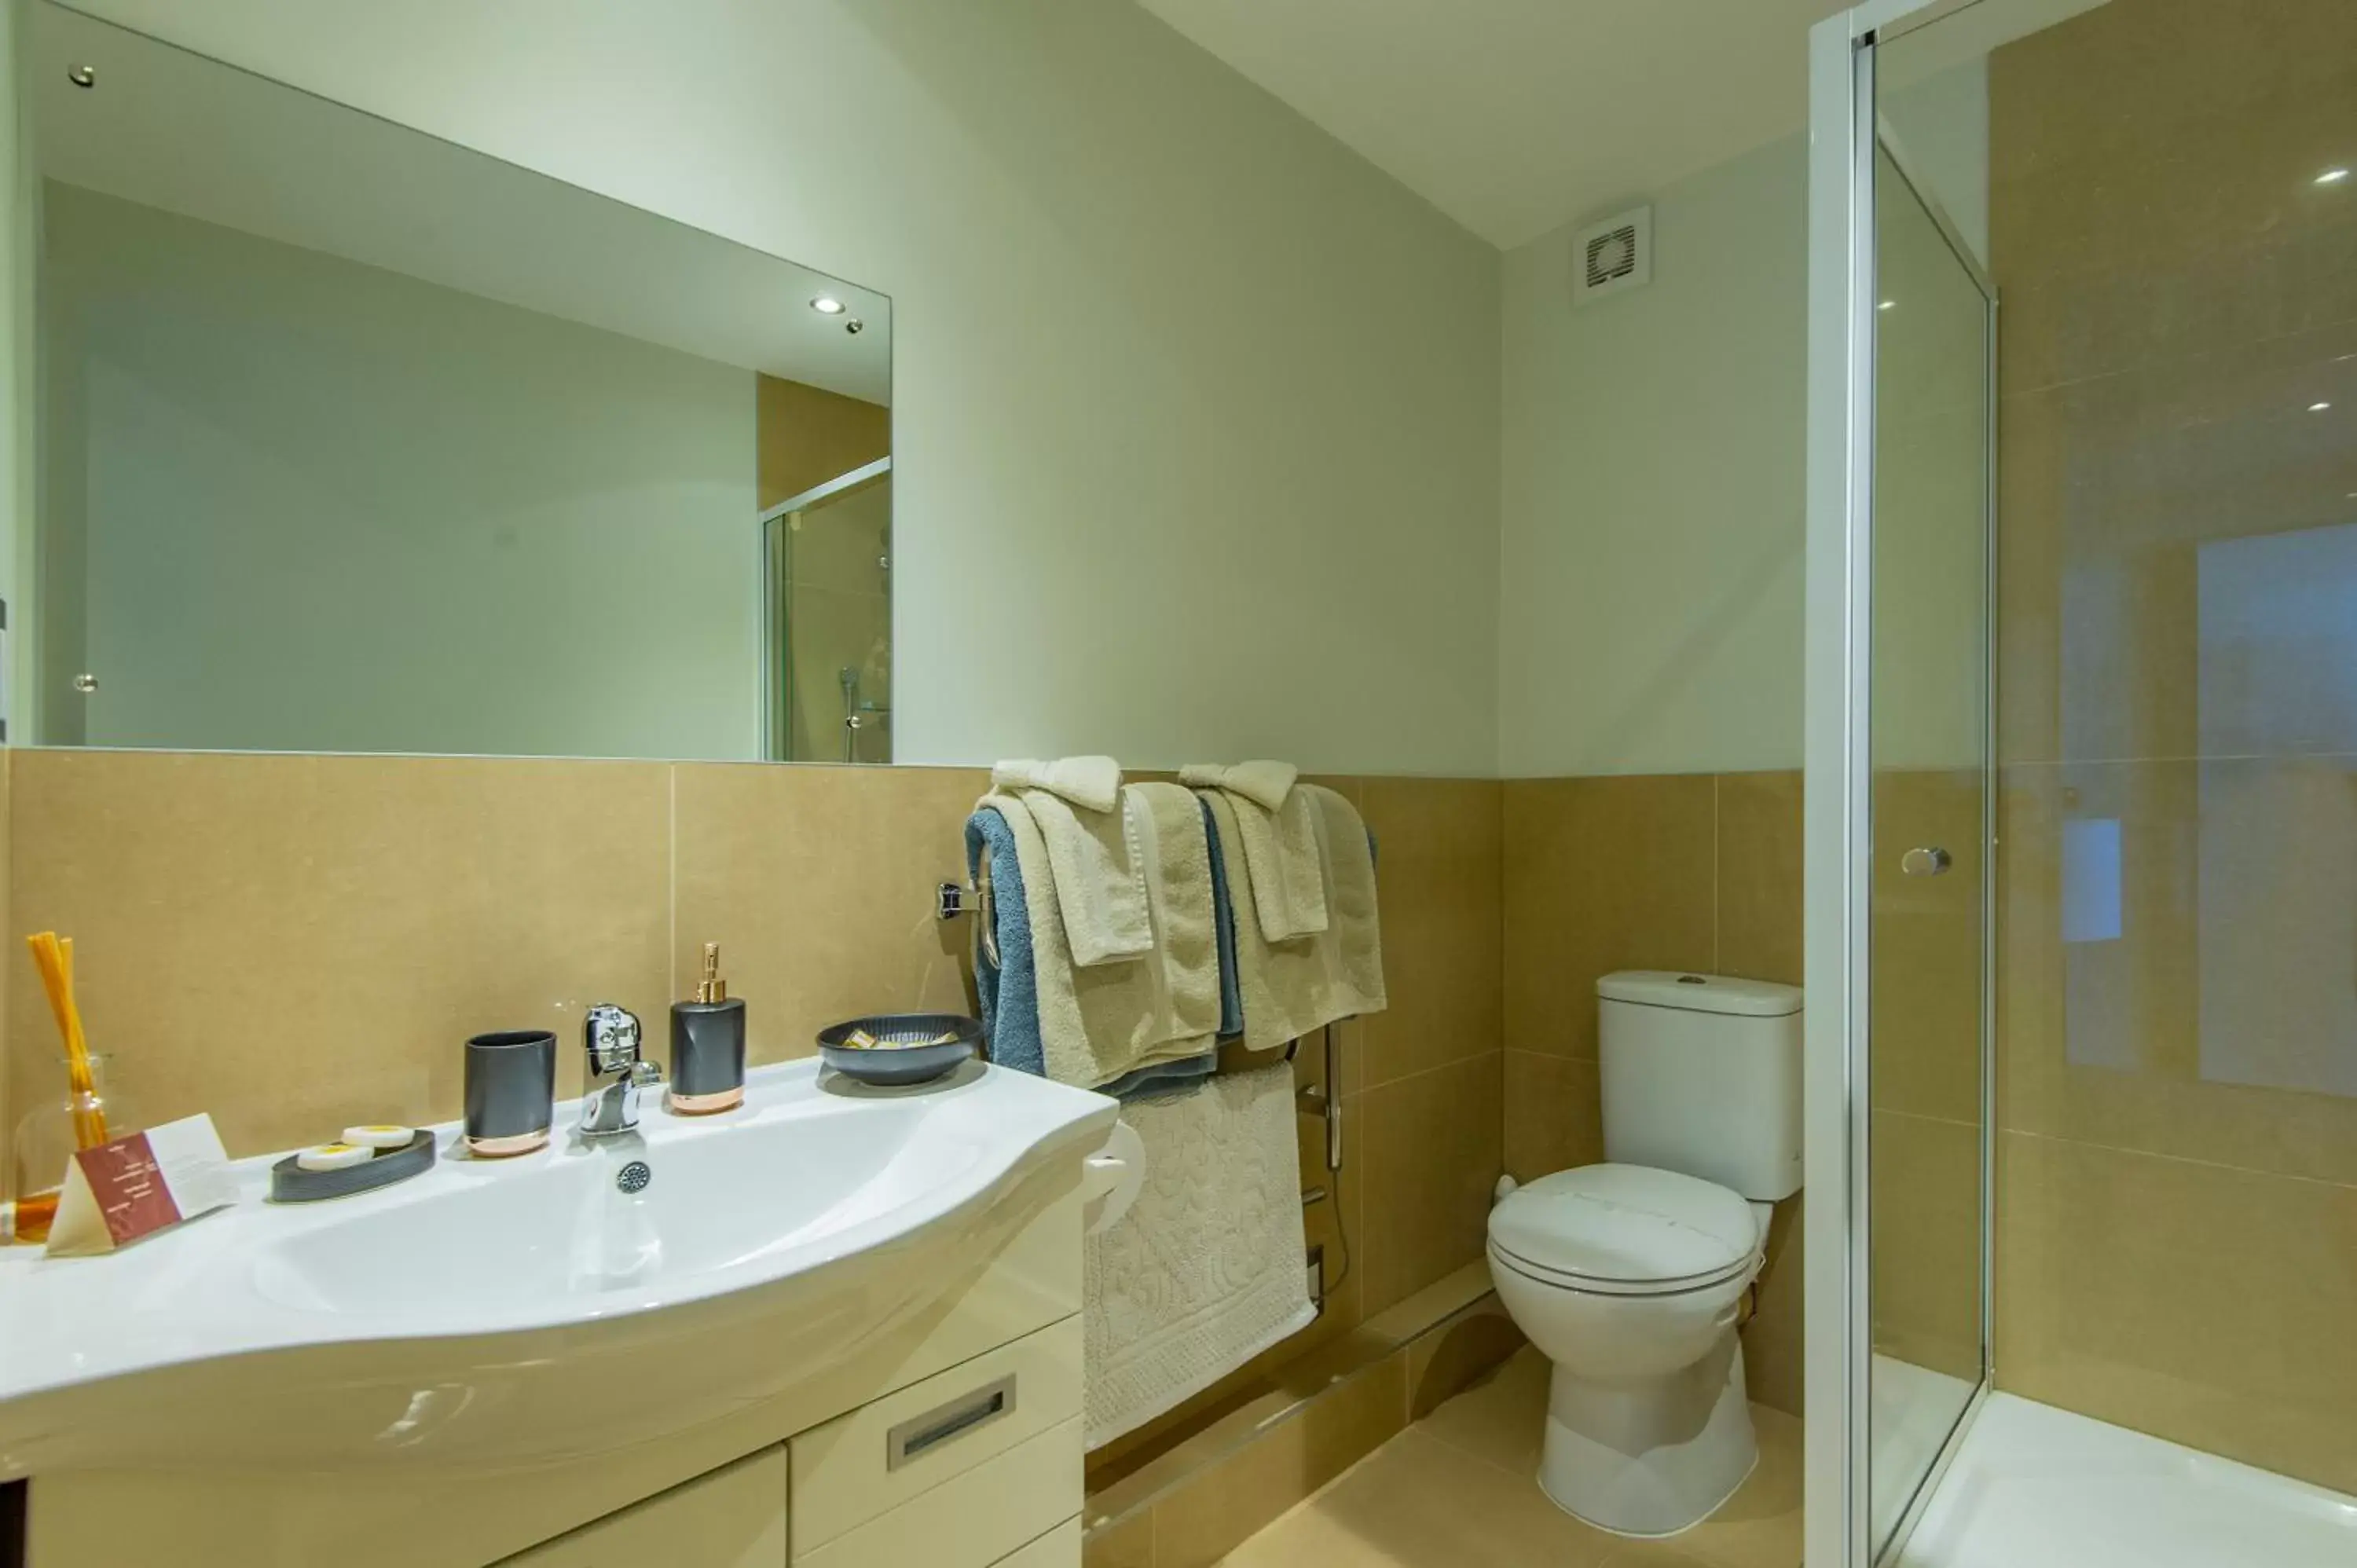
814, 1171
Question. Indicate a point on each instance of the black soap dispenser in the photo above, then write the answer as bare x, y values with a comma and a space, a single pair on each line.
708, 1046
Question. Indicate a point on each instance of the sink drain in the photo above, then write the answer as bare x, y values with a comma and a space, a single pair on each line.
634, 1176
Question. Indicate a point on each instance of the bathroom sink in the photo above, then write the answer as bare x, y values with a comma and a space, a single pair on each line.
547, 1307
585, 1227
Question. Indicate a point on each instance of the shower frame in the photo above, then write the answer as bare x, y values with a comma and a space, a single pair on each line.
1845, 135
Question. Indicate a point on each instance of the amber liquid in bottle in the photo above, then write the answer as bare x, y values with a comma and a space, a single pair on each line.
34, 1215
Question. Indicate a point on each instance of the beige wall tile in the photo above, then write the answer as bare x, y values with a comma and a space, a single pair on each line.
1926, 939
2205, 1027
818, 885
1554, 1114
11, 1107
1759, 876
296, 943
1775, 1361
2206, 1305
1601, 874
1926, 1243
2150, 189
2182, 1141
1441, 857
1432, 1147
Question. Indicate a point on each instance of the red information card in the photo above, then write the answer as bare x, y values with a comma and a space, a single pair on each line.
140, 1184
129, 1186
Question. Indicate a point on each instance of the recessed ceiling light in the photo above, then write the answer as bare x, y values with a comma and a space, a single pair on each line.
2332, 177
827, 305
2318, 407
81, 76
1885, 304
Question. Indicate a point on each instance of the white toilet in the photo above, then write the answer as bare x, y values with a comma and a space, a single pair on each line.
1628, 1275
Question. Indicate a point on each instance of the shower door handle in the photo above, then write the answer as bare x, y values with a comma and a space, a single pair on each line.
1929, 859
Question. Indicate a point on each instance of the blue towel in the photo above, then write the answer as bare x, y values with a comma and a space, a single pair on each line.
1223, 922
1163, 1077
1009, 988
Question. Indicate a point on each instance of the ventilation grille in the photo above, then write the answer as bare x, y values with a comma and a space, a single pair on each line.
1612, 255
1615, 254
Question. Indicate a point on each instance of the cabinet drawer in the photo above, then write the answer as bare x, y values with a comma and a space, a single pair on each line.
732, 1518
881, 1455
975, 1519
1059, 1548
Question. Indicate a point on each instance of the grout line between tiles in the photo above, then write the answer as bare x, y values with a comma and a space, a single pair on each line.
2175, 1159
1514, 1470
1368, 1087
2031, 764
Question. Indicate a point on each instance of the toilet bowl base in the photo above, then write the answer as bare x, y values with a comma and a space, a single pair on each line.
1652, 1457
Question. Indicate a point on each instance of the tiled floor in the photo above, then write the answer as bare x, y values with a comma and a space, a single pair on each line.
1459, 1489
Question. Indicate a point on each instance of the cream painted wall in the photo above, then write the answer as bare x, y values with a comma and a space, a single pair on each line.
1652, 537
19, 236
1650, 618
1196, 445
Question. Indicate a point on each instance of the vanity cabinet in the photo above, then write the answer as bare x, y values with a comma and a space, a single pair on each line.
732, 1518
971, 1468
950, 1440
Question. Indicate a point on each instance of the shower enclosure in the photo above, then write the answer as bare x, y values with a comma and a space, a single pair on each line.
826, 579
2081, 795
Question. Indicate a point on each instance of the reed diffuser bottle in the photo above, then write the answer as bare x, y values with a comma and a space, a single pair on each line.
47, 1136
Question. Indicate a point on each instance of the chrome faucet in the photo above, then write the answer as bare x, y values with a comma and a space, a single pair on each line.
610, 1035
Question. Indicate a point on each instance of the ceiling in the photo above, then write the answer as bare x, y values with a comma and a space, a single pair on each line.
1515, 116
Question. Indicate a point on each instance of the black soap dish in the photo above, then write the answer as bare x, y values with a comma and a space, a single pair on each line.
290, 1183
901, 1048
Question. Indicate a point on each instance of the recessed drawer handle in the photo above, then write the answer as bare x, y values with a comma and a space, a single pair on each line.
921, 1434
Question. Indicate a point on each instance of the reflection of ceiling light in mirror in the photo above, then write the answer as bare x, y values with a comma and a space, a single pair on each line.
81, 76
2332, 177
827, 305
2318, 407
1885, 304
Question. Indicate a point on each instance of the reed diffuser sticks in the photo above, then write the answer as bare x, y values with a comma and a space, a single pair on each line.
54, 956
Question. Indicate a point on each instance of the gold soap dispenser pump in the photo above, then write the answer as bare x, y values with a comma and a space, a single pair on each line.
708, 1046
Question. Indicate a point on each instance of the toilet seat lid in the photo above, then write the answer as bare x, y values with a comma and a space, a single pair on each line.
1623, 1225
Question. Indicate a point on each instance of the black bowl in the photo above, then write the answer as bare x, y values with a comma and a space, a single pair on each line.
909, 1049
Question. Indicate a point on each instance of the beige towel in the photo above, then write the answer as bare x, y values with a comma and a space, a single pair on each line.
1293, 988
1093, 782
1204, 1271
1099, 871
1096, 1024
1267, 782
1275, 821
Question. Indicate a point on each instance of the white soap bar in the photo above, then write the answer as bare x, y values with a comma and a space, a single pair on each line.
380, 1136
334, 1156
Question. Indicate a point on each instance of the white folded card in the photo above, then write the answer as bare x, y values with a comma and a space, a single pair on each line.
140, 1184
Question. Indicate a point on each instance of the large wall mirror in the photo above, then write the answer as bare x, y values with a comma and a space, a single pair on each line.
352, 439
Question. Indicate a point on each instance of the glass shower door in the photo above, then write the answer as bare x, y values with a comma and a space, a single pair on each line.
828, 591
1928, 900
